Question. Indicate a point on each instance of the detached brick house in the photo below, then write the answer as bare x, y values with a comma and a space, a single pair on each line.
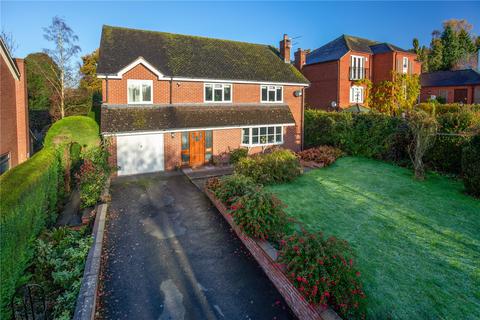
14, 130
173, 100
334, 69
459, 86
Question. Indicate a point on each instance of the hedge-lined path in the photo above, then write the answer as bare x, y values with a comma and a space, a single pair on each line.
170, 255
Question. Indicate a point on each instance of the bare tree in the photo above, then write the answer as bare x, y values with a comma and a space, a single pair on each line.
64, 40
9, 41
424, 129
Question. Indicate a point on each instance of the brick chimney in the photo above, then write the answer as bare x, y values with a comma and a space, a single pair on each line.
300, 58
285, 46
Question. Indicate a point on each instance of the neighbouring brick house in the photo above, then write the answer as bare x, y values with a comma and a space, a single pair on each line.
462, 86
335, 68
173, 100
14, 130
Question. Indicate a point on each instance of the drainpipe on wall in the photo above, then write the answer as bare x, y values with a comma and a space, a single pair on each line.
171, 90
106, 88
302, 120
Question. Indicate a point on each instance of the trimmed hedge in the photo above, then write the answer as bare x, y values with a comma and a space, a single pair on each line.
387, 138
29, 195
471, 166
80, 129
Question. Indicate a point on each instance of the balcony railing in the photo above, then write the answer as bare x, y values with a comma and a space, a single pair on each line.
358, 73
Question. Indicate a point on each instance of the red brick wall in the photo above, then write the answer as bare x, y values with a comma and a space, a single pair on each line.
344, 81
427, 92
323, 79
23, 133
14, 133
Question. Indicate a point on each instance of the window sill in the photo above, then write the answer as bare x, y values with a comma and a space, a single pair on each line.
260, 144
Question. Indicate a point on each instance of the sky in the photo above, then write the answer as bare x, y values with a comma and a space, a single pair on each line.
311, 24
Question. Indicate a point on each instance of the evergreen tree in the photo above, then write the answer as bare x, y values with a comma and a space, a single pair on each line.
435, 60
450, 48
465, 43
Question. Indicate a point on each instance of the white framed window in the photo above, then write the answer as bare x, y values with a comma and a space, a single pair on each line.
4, 162
356, 94
405, 65
217, 92
140, 91
357, 67
262, 136
271, 94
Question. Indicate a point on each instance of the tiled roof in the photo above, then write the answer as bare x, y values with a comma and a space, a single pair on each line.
127, 118
450, 78
335, 49
187, 56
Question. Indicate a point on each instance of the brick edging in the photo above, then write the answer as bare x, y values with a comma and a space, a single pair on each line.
297, 303
87, 298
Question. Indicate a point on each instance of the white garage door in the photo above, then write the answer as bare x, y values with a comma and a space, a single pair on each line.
139, 154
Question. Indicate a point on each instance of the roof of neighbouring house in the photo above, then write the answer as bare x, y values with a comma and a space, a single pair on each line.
125, 118
185, 56
450, 78
337, 48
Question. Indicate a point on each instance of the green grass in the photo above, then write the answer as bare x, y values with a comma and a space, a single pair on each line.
417, 243
81, 129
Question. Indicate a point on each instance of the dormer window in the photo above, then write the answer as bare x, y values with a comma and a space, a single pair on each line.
139, 91
271, 94
218, 92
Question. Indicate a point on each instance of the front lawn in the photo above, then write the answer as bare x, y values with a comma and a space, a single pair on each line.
417, 243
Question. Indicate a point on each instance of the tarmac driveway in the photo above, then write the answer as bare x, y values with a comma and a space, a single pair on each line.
169, 254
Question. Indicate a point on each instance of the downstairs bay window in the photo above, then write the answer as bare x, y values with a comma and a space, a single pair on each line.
262, 136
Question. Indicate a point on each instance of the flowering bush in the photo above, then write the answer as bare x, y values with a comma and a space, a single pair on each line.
228, 189
279, 166
259, 214
323, 155
92, 175
324, 271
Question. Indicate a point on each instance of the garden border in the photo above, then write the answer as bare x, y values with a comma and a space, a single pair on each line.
260, 251
87, 298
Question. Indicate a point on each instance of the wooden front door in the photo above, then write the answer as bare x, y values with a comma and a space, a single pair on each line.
460, 95
197, 148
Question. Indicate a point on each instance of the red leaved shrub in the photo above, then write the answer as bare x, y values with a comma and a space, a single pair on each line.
319, 157
324, 271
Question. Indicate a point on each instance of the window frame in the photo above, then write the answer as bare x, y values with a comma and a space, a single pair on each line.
359, 72
250, 136
275, 95
141, 82
7, 158
352, 96
212, 84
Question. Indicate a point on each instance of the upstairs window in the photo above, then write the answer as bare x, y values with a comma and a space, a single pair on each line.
139, 91
357, 68
356, 94
272, 94
405, 65
218, 92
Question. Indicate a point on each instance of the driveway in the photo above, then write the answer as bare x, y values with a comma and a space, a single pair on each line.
170, 255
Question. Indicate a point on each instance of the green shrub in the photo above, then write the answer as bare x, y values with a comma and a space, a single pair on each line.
279, 166
230, 188
93, 175
29, 194
327, 128
471, 166
259, 214
324, 271
58, 266
80, 129
237, 154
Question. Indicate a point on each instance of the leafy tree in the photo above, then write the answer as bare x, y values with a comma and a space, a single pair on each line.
64, 39
393, 97
41, 93
451, 49
424, 129
88, 71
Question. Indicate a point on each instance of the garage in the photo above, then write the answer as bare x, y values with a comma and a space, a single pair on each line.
140, 153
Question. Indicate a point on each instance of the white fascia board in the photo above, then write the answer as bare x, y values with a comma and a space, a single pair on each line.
107, 134
139, 60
